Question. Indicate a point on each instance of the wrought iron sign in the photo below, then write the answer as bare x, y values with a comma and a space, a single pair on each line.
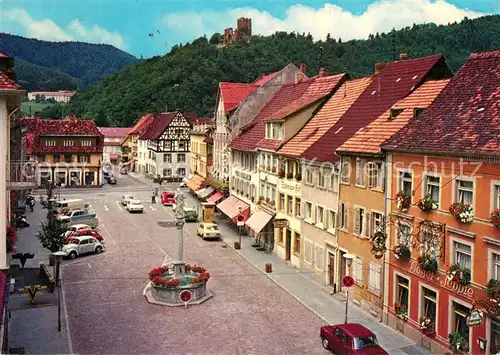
378, 244
491, 307
429, 238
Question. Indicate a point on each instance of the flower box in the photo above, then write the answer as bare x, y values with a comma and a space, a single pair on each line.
427, 326
268, 167
493, 290
268, 200
298, 177
495, 217
462, 212
403, 201
289, 175
401, 311
428, 263
281, 173
274, 169
402, 252
459, 274
428, 204
458, 342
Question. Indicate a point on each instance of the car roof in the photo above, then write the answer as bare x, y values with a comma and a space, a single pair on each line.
80, 226
135, 201
355, 330
128, 196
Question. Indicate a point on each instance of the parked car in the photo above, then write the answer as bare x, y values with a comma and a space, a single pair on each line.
350, 338
135, 206
190, 214
208, 231
65, 206
83, 232
76, 227
126, 198
82, 245
168, 198
79, 217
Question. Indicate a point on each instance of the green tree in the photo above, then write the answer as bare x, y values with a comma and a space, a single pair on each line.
51, 234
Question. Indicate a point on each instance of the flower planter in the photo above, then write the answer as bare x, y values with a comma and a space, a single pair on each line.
298, 177
495, 217
428, 263
289, 176
402, 252
459, 274
427, 326
403, 201
458, 342
464, 213
401, 312
427, 204
281, 173
493, 290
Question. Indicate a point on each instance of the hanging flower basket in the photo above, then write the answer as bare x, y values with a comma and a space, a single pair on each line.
464, 213
401, 311
11, 239
402, 252
458, 342
403, 201
495, 217
427, 204
493, 290
427, 326
459, 274
428, 263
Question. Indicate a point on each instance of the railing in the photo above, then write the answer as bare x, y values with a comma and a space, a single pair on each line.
22, 175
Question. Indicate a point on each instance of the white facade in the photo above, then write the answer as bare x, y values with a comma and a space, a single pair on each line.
142, 156
58, 96
221, 140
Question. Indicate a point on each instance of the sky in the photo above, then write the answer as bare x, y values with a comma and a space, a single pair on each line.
151, 27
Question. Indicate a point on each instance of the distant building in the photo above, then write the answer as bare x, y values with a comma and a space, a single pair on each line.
113, 137
58, 96
243, 32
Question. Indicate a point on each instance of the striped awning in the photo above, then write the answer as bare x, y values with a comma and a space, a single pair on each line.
231, 208
258, 221
215, 197
195, 183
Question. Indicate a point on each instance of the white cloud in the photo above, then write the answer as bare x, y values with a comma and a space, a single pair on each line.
380, 16
47, 29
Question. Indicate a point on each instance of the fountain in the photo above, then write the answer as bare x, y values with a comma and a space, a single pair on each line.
178, 283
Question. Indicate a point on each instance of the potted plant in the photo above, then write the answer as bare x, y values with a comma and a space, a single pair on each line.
463, 212
459, 274
281, 173
289, 175
273, 168
428, 263
427, 326
401, 311
262, 166
402, 252
298, 177
493, 290
261, 198
268, 200
268, 167
458, 342
495, 217
427, 204
11, 239
403, 201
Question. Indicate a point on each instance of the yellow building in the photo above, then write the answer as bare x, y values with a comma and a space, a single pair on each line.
130, 144
200, 158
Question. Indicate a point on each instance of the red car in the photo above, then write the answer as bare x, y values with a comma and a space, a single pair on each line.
83, 232
350, 338
168, 198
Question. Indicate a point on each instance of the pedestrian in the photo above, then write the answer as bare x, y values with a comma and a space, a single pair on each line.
153, 198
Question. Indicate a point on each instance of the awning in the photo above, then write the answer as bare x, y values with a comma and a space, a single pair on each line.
230, 207
215, 197
258, 221
195, 182
114, 157
129, 162
203, 193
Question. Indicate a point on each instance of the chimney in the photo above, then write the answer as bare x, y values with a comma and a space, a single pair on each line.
299, 77
379, 67
323, 72
403, 56
303, 68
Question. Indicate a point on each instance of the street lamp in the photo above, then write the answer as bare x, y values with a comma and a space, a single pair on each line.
348, 260
59, 257
240, 222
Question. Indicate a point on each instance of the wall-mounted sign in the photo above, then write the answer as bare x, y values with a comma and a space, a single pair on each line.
290, 187
281, 223
474, 318
242, 175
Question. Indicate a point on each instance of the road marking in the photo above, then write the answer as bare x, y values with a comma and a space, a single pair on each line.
152, 208
90, 267
120, 207
106, 208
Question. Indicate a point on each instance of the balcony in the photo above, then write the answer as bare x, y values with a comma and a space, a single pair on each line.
22, 175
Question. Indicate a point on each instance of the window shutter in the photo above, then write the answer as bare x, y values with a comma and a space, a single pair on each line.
368, 228
302, 209
356, 221
339, 215
346, 216
313, 214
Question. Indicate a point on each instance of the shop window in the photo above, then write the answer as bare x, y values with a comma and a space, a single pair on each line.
429, 306
459, 320
402, 292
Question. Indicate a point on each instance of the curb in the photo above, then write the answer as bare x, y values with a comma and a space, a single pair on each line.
305, 305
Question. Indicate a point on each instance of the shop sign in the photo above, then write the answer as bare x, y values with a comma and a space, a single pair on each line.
442, 280
474, 318
281, 223
243, 175
290, 187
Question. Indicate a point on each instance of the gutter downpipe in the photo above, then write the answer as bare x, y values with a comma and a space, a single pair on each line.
387, 187
337, 229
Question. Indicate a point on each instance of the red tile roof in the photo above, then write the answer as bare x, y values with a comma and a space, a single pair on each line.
112, 144
208, 140
7, 83
158, 126
114, 132
369, 139
325, 118
264, 79
30, 141
388, 86
465, 117
234, 93
142, 124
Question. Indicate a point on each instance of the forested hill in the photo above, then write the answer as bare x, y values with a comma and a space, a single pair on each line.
43, 65
187, 77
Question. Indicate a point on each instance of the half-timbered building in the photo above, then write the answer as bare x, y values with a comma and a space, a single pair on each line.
167, 142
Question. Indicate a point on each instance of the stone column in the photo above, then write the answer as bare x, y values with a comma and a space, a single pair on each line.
4, 197
179, 265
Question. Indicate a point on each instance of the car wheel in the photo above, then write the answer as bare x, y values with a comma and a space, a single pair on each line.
72, 255
98, 249
325, 344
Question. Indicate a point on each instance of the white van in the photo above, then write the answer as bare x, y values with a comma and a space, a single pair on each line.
64, 206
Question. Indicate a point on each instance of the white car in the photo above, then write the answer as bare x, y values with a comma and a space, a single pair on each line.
135, 206
208, 231
126, 198
76, 227
82, 245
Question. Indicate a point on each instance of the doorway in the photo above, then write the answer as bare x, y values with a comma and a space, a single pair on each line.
331, 270
288, 245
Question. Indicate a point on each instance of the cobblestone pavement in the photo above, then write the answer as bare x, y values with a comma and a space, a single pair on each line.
108, 313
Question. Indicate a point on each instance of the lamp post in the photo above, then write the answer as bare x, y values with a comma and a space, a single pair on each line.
240, 222
348, 260
59, 257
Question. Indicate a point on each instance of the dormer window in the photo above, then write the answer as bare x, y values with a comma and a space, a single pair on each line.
395, 112
417, 111
86, 143
68, 143
51, 143
274, 130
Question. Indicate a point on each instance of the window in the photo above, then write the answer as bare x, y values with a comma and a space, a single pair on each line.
463, 255
282, 202
182, 146
331, 219
181, 172
289, 208
297, 207
360, 172
343, 216
465, 191
374, 282
376, 175
51, 143
357, 270
274, 130
308, 250
403, 292
309, 177
86, 143
279, 236
296, 243
68, 143
56, 158
319, 255
167, 158
319, 216
181, 158
308, 211
430, 244
83, 158
167, 172
404, 234
68, 158
496, 268
405, 179
376, 222
321, 179
359, 221
459, 322
432, 187
334, 181
429, 305
496, 197
345, 170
